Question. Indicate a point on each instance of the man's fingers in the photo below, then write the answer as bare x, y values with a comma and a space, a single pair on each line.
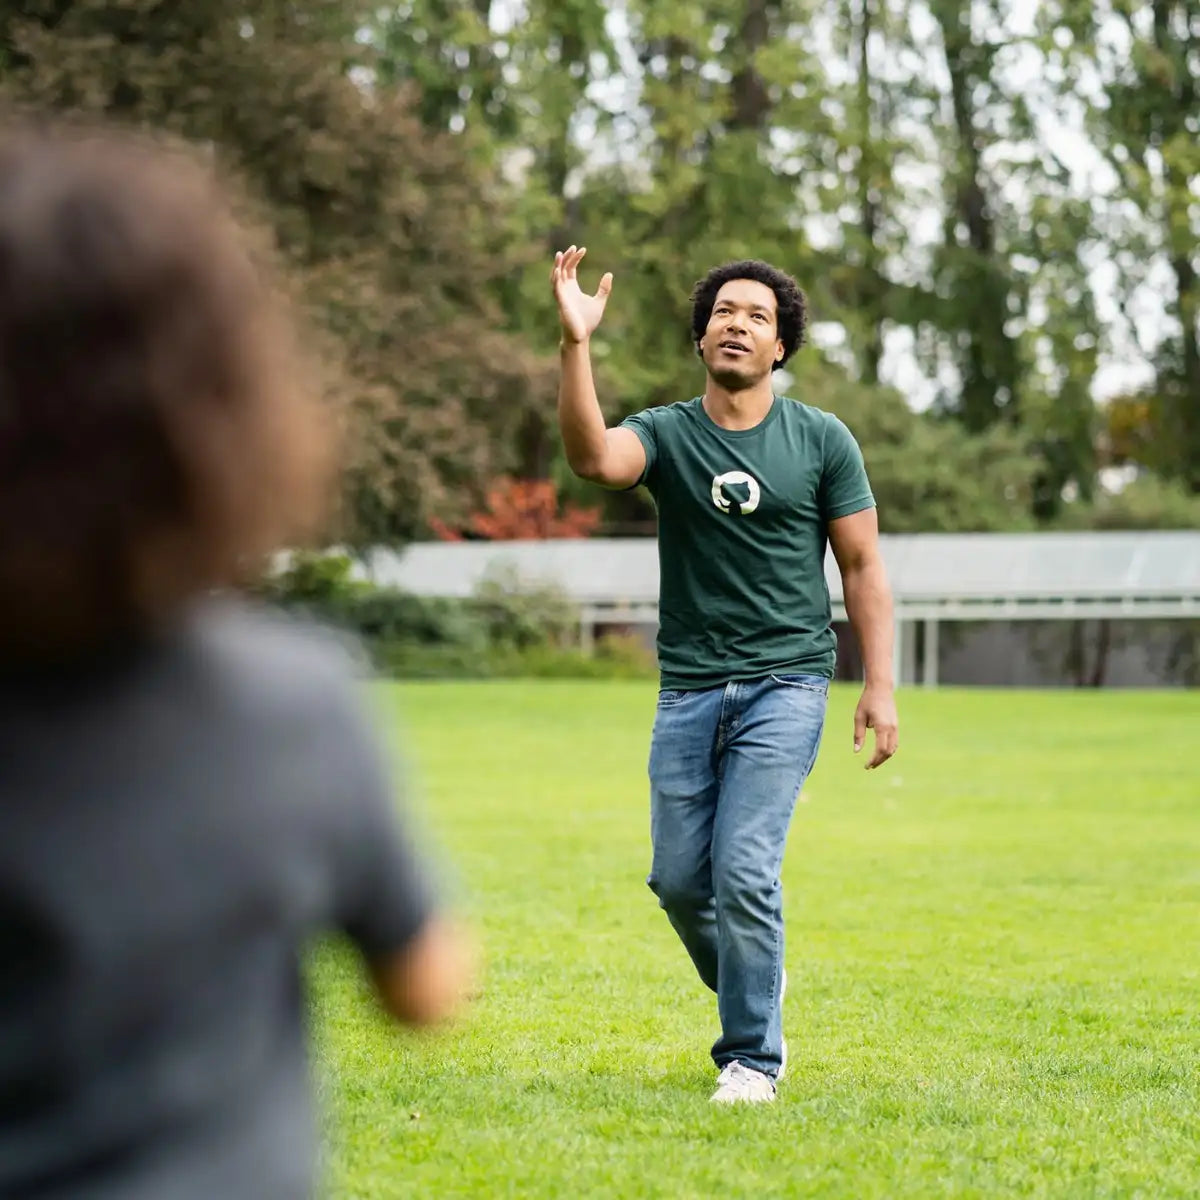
565, 269
886, 743
860, 729
880, 756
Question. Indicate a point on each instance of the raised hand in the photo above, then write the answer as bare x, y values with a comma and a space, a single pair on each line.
579, 313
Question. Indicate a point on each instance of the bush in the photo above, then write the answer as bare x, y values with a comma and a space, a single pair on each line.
389, 615
524, 617
504, 631
320, 582
407, 660
1149, 502
324, 588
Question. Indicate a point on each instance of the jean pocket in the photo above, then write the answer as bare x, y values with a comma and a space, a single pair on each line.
669, 697
804, 683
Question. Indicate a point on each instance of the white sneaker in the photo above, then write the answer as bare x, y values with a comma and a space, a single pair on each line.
740, 1084
783, 1056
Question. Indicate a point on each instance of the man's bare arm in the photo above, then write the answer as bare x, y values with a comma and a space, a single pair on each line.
868, 598
614, 458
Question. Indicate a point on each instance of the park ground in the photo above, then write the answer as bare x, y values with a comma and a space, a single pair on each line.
994, 975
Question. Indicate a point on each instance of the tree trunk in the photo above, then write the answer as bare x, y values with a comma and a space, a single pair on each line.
751, 100
871, 284
989, 371
1178, 105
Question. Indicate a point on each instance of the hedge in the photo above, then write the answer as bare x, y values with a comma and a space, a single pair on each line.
503, 631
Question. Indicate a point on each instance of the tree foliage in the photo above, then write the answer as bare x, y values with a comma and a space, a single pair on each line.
417, 163
388, 227
522, 509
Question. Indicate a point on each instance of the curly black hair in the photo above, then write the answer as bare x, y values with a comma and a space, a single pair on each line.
792, 317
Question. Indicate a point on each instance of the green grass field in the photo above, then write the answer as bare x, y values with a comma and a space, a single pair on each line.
993, 954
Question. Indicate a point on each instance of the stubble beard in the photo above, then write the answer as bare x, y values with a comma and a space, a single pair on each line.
733, 380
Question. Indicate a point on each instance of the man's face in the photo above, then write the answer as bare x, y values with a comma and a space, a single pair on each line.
741, 344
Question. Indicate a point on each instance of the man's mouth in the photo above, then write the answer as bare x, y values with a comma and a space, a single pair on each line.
732, 347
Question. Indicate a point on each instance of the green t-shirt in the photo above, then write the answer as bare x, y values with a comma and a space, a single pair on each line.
742, 531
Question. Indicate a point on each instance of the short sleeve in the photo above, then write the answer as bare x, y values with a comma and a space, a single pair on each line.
383, 894
642, 424
845, 488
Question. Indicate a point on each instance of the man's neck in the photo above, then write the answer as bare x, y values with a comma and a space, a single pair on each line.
742, 409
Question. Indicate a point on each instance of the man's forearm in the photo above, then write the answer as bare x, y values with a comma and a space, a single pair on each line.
579, 415
868, 599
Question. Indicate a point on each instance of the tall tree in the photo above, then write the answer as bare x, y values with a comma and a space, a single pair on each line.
881, 104
391, 231
562, 51
514, 83
974, 272
1139, 66
448, 50
1010, 306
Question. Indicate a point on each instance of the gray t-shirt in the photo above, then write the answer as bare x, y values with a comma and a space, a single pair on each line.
175, 823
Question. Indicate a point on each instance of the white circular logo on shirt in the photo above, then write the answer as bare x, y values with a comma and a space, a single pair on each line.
732, 479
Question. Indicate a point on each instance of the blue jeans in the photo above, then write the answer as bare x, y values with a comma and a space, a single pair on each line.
726, 765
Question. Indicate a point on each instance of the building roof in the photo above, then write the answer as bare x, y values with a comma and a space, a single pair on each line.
949, 572
606, 571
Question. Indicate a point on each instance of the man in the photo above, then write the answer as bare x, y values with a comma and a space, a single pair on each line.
750, 488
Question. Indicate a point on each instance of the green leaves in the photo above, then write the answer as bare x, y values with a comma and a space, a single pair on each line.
915, 163
929, 473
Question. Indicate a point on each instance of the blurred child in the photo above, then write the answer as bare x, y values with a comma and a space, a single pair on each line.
189, 788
